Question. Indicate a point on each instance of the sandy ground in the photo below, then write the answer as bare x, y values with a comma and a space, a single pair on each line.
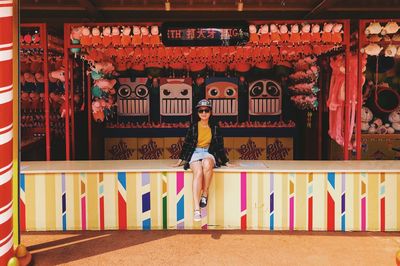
211, 248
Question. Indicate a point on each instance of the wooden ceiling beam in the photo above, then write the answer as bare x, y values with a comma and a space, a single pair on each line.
90, 8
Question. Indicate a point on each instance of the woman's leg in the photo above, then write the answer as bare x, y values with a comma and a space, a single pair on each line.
208, 166
197, 182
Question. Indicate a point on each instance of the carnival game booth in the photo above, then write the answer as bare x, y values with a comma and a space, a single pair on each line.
264, 85
139, 87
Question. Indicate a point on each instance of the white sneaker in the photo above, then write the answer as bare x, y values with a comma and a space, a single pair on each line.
197, 216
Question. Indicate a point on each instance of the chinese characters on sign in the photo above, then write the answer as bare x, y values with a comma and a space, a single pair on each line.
205, 34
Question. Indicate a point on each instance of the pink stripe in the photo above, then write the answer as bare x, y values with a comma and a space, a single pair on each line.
243, 178
363, 214
83, 214
291, 215
179, 182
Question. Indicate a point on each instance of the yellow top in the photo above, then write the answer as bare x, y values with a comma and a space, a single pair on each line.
204, 138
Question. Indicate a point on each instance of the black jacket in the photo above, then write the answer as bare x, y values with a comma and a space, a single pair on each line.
216, 146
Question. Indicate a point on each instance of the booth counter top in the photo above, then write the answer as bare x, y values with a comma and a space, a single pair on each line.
240, 166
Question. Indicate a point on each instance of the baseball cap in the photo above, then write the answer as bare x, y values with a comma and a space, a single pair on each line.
203, 103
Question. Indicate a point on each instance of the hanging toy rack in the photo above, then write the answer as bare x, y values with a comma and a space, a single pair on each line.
374, 37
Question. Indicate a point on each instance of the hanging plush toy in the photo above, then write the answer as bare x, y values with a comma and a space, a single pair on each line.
327, 32
337, 33
390, 28
145, 35
275, 36
264, 35
155, 36
96, 38
126, 36
107, 39
86, 39
116, 36
295, 34
137, 38
27, 38
36, 38
305, 33
58, 74
372, 49
315, 33
390, 51
394, 118
253, 34
373, 28
284, 33
366, 117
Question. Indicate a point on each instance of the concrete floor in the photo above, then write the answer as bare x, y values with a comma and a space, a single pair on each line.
211, 248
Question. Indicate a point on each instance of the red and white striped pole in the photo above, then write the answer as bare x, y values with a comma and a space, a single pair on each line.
6, 130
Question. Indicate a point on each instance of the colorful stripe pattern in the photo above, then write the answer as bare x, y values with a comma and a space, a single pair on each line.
146, 202
6, 130
260, 201
63, 203
180, 205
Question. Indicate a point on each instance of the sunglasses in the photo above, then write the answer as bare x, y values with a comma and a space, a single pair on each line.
203, 111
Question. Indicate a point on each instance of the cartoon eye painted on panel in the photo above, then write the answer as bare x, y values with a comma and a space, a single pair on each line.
223, 95
175, 97
133, 97
265, 98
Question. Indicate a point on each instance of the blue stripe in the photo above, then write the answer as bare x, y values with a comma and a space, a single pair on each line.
146, 202
122, 179
146, 224
271, 222
180, 209
343, 222
22, 181
64, 222
331, 179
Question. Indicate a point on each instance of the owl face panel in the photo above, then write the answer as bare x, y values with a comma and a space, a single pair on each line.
133, 97
223, 95
265, 98
176, 97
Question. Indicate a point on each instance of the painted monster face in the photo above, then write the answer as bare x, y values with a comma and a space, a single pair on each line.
175, 97
133, 97
223, 95
265, 98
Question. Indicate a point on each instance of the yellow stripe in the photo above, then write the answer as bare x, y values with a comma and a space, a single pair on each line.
278, 181
110, 201
398, 201
171, 198
251, 202
155, 198
319, 201
301, 202
92, 201
40, 192
262, 178
70, 201
30, 199
131, 200
77, 202
357, 204
285, 201
211, 211
373, 200
50, 202
219, 200
58, 201
349, 198
232, 199
390, 201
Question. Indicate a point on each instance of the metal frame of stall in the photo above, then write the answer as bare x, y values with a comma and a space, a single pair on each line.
363, 41
44, 46
68, 45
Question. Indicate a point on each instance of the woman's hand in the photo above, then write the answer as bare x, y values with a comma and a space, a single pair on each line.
177, 164
230, 165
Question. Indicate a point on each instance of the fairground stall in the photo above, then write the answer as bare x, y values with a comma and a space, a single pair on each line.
268, 82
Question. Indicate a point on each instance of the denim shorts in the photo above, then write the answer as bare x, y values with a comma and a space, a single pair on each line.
200, 154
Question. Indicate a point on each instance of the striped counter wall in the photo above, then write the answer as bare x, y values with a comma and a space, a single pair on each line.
238, 200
